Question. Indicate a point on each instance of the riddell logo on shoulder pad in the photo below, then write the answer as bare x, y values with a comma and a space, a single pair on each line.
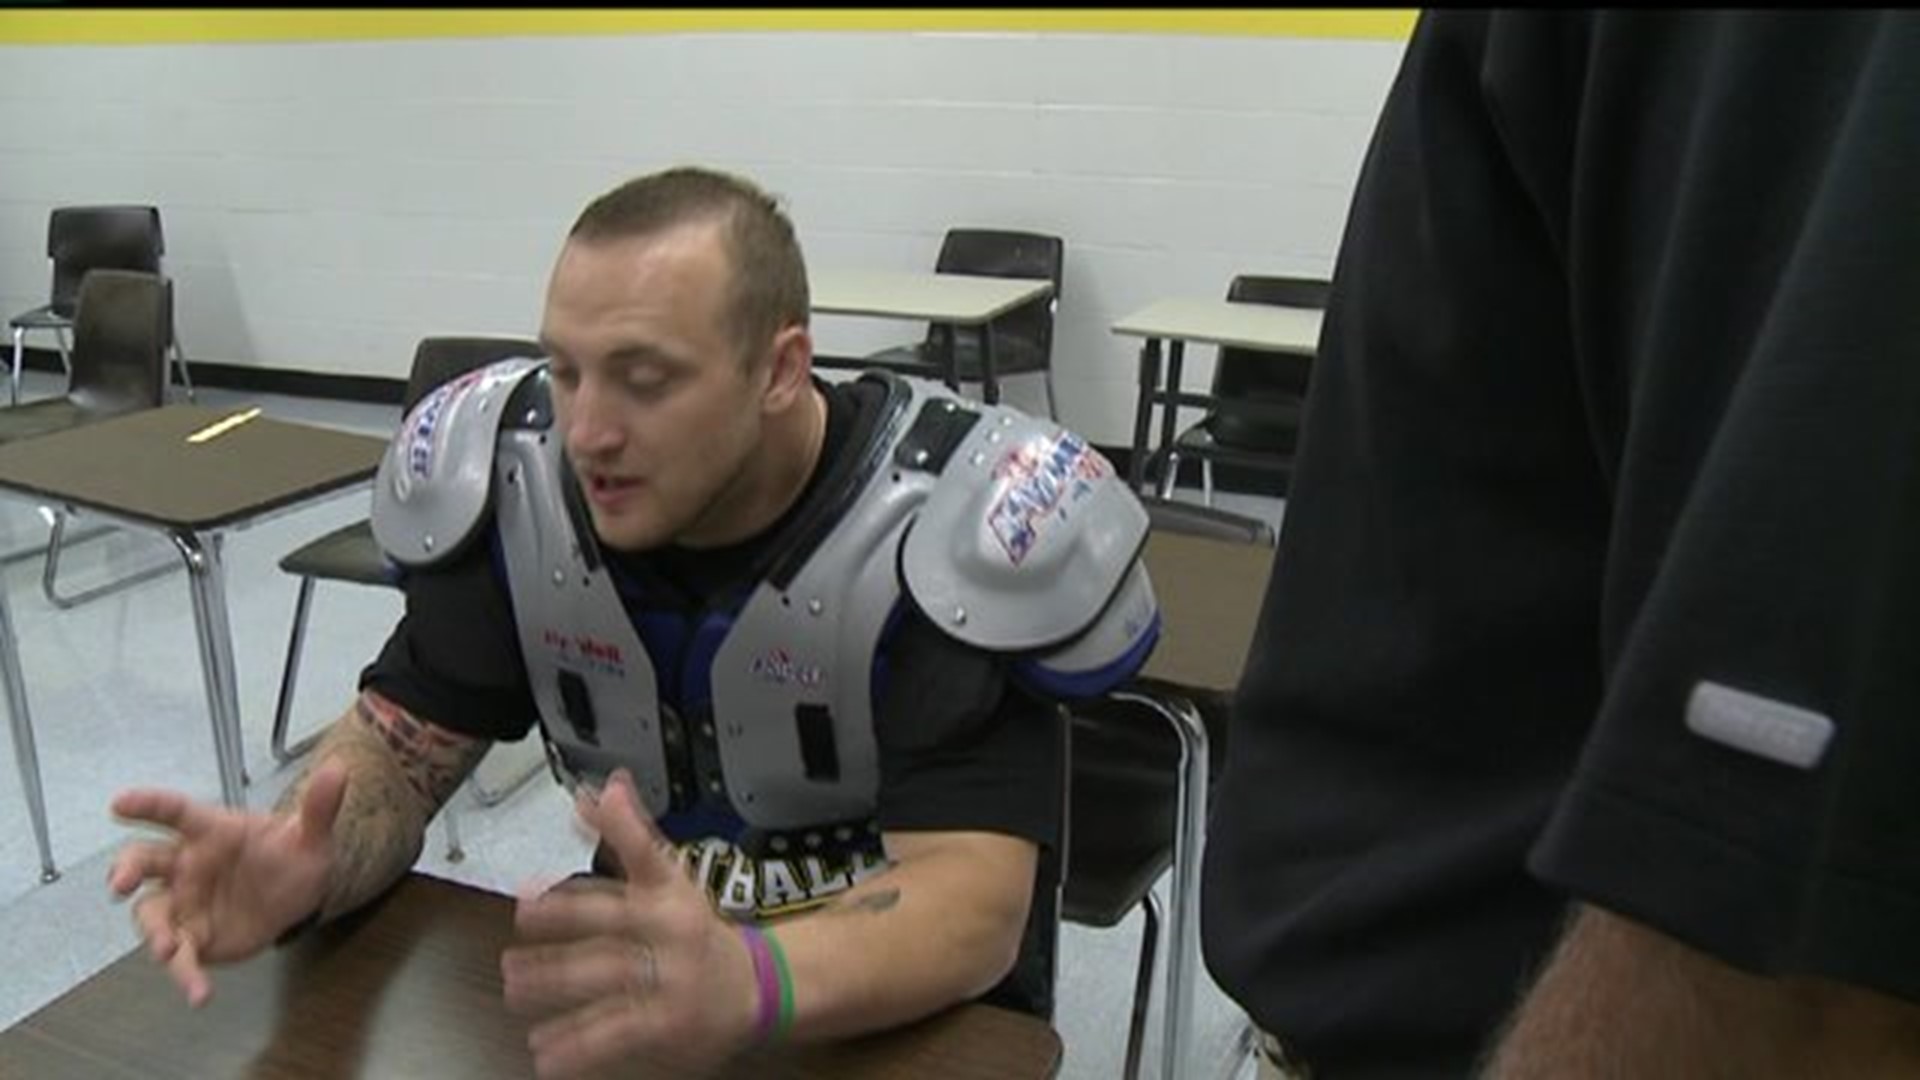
780, 668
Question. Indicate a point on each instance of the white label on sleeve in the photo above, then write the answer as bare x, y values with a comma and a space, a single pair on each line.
1761, 726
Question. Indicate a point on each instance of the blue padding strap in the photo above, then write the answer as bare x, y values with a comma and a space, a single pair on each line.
1080, 685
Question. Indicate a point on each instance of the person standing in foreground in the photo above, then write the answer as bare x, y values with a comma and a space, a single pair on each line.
1579, 737
795, 645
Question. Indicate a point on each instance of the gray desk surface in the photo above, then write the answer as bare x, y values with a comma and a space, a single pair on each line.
962, 299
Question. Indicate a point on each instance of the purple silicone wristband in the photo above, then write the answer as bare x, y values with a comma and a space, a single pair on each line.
769, 980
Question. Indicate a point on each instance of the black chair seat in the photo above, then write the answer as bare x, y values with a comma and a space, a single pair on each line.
1274, 428
349, 553
1199, 441
44, 317
43, 418
1011, 356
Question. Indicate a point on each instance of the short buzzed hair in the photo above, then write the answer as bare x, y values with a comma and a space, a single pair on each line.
769, 274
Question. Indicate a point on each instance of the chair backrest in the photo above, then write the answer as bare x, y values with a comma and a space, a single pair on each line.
83, 238
121, 328
1007, 253
1252, 375
437, 359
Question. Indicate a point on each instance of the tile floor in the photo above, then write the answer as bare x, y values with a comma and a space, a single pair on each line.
115, 691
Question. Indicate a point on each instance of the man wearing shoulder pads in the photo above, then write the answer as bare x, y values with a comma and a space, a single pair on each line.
794, 645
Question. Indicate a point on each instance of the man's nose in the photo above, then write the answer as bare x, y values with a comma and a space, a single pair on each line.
591, 427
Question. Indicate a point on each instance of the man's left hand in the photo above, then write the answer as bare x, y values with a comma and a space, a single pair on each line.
644, 968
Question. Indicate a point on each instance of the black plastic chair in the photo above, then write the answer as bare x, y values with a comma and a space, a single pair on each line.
1144, 759
350, 553
122, 322
85, 238
1022, 338
1275, 383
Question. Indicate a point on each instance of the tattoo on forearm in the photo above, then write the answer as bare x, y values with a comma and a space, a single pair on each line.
871, 903
402, 770
433, 760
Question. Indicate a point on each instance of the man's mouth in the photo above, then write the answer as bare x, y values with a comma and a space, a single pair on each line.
605, 490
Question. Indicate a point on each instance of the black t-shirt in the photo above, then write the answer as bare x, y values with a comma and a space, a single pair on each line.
961, 746
1617, 403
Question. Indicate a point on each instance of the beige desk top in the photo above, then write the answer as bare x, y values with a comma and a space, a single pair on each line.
1223, 322
1210, 593
963, 299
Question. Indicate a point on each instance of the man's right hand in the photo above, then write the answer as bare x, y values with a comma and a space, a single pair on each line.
227, 882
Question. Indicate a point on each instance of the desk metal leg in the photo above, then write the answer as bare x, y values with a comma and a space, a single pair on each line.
19, 356
950, 347
25, 756
50, 572
1183, 908
1143, 411
989, 378
1169, 418
207, 583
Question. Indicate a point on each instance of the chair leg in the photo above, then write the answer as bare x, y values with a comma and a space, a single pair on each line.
1206, 481
180, 366
1171, 476
19, 356
1053, 413
451, 818
1183, 911
1142, 984
487, 796
66, 351
290, 675
51, 573
25, 757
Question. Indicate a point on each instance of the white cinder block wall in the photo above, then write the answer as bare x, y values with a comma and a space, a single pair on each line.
329, 203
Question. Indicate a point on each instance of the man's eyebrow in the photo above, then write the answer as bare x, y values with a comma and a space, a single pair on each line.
643, 356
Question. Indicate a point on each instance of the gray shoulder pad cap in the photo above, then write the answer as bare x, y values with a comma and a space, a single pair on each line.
430, 495
1026, 536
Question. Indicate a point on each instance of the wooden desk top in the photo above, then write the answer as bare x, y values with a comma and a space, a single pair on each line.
1271, 327
1210, 592
411, 988
963, 299
141, 465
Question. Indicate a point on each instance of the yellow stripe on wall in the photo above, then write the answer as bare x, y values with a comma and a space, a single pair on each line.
107, 26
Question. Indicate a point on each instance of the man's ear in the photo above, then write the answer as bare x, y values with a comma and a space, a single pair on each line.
789, 368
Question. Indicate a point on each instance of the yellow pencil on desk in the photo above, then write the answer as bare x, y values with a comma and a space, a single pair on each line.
221, 427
